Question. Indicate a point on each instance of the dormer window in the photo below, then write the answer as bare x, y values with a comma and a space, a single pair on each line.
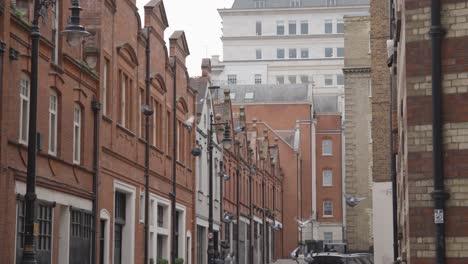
249, 96
295, 3
259, 4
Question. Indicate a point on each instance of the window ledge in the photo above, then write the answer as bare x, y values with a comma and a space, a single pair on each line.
327, 216
126, 130
106, 118
327, 155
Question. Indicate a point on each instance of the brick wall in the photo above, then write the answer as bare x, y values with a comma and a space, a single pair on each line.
380, 91
415, 185
358, 147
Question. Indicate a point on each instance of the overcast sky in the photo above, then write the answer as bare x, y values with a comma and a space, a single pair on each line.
202, 25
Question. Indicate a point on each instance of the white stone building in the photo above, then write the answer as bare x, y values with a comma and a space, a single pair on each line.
286, 41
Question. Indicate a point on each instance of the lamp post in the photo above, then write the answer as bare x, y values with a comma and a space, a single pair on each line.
226, 142
74, 32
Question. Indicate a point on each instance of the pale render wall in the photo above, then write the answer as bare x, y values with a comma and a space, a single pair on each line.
383, 224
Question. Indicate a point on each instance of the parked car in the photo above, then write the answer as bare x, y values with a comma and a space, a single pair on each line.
337, 258
333, 258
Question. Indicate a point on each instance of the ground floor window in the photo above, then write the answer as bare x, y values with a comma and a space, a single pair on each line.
201, 252
120, 217
81, 223
44, 218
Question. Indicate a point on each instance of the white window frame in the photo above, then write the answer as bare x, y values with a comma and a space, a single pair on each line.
232, 78
337, 53
304, 22
140, 108
249, 96
324, 143
123, 103
258, 54
55, 27
77, 134
327, 178
155, 132
327, 233
53, 127
128, 232
292, 77
290, 23
338, 77
293, 50
278, 53
258, 28
258, 79
142, 208
279, 24
328, 77
324, 206
25, 93
278, 78
339, 21
327, 21
104, 87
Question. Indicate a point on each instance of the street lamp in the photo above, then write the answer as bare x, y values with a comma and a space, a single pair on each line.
73, 31
226, 142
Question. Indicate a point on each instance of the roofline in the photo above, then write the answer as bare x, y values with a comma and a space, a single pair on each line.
301, 9
274, 132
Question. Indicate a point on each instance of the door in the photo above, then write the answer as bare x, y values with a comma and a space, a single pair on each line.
102, 242
80, 236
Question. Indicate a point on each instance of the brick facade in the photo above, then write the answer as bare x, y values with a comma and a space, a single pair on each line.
415, 184
120, 45
358, 139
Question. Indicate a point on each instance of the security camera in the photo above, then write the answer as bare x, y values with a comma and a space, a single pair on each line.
196, 151
189, 123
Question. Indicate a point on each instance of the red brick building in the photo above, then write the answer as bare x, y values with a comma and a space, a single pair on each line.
310, 152
253, 195
67, 87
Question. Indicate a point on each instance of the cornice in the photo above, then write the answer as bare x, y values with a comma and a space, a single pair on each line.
357, 70
289, 10
292, 37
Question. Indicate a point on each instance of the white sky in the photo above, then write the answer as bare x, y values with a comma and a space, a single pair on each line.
202, 25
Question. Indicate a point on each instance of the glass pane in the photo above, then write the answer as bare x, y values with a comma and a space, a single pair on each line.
292, 28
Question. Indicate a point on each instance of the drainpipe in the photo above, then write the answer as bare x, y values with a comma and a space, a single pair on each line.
221, 198
391, 19
251, 256
147, 111
263, 216
174, 161
2, 51
237, 147
439, 195
96, 106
